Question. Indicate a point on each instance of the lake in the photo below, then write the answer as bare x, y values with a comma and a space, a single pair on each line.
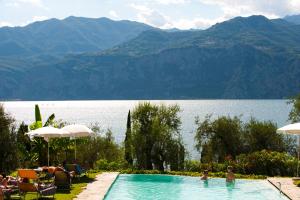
113, 114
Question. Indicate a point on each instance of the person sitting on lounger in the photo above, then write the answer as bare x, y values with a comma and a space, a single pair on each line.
230, 178
205, 175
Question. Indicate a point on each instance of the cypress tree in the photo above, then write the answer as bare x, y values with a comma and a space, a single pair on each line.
128, 145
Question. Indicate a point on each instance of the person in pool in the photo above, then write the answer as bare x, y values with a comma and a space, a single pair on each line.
205, 175
230, 178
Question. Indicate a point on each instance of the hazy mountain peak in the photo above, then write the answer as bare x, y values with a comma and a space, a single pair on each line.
295, 19
69, 35
252, 22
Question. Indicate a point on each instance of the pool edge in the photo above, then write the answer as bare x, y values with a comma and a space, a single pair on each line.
111, 185
273, 184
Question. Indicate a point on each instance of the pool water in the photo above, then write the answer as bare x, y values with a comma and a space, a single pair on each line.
166, 187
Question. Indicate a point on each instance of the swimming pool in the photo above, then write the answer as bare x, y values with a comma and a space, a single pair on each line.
130, 187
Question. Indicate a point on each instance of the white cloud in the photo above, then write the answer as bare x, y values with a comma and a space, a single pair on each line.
196, 23
268, 8
157, 19
35, 19
12, 4
3, 23
150, 16
168, 2
113, 14
37, 3
18, 3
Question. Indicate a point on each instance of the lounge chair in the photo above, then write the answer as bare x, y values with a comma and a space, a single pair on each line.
28, 173
40, 190
62, 180
35, 186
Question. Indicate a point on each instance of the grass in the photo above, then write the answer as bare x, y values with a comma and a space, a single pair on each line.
297, 182
77, 186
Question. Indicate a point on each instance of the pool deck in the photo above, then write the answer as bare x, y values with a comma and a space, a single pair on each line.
98, 188
287, 187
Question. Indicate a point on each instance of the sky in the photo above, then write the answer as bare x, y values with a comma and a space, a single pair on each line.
182, 14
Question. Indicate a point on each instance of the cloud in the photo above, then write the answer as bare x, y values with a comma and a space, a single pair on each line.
35, 19
168, 2
150, 16
268, 8
113, 14
196, 23
37, 3
18, 3
3, 23
155, 18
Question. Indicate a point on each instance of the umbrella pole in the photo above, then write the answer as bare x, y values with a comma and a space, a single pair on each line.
75, 149
298, 164
48, 154
298, 156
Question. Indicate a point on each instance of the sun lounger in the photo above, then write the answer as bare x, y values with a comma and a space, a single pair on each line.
35, 186
28, 173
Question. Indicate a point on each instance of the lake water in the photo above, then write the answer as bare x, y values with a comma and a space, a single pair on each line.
113, 114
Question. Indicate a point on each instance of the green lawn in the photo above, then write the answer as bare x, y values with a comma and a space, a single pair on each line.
77, 186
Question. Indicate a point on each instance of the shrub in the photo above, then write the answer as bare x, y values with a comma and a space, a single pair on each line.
195, 174
268, 163
103, 164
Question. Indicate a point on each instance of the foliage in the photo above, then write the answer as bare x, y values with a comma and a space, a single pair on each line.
297, 182
103, 164
8, 142
294, 115
128, 141
99, 147
224, 138
262, 135
186, 173
27, 156
155, 136
270, 163
39, 145
218, 139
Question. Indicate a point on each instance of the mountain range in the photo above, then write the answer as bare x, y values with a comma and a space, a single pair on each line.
80, 58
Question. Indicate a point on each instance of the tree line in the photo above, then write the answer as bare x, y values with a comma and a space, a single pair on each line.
152, 141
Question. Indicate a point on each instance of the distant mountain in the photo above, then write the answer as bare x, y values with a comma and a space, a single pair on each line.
295, 19
251, 57
70, 35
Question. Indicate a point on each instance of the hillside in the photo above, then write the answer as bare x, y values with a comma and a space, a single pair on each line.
295, 19
70, 35
249, 58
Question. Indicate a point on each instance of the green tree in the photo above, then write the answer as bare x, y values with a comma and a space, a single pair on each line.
294, 115
26, 156
8, 142
155, 136
128, 141
262, 135
219, 139
99, 148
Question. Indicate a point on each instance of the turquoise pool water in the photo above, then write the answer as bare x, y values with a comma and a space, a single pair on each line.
165, 187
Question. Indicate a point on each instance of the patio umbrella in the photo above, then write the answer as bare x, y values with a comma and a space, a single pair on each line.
77, 131
47, 133
293, 129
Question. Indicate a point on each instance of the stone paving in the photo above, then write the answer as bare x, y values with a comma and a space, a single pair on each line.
287, 187
97, 189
